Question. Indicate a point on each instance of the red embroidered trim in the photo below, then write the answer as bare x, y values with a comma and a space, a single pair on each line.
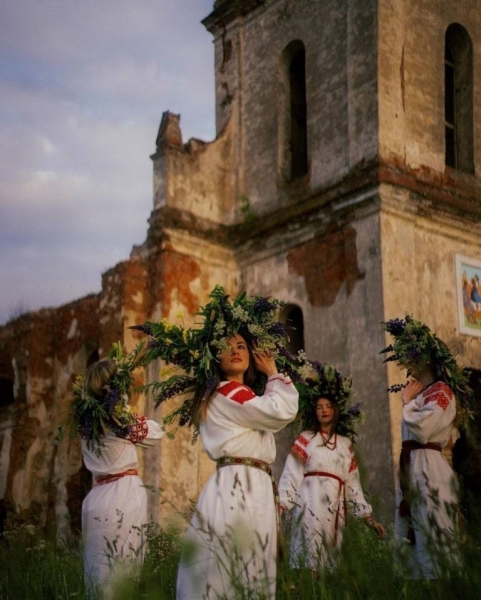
298, 449
138, 431
236, 391
302, 440
300, 454
440, 393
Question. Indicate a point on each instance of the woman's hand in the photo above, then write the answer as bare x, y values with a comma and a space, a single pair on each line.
411, 391
264, 362
378, 528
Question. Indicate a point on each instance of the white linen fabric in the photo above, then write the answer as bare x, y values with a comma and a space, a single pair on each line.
231, 543
114, 515
429, 418
319, 502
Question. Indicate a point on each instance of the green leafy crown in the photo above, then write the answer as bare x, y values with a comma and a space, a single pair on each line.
91, 416
415, 345
196, 350
320, 380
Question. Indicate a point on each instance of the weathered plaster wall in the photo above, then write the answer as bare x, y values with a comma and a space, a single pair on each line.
195, 177
45, 348
340, 42
411, 79
418, 276
182, 272
335, 278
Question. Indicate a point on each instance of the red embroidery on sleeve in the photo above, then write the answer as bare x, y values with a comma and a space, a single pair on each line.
236, 391
440, 393
298, 449
138, 431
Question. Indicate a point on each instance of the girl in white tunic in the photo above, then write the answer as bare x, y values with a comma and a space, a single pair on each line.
429, 520
232, 538
320, 480
434, 401
114, 513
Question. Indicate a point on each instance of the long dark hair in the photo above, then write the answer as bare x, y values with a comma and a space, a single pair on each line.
311, 422
205, 392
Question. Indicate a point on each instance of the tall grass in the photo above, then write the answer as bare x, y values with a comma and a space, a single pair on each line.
35, 568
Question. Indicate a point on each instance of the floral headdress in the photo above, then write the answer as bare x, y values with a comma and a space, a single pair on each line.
416, 345
196, 350
324, 381
93, 416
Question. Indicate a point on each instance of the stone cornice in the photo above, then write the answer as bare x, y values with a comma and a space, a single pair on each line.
226, 11
354, 197
453, 191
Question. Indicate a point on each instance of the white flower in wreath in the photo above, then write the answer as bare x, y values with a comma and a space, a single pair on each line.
256, 330
239, 313
219, 326
305, 371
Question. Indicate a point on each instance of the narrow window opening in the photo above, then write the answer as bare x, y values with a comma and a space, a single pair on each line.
7, 397
294, 321
297, 80
458, 99
292, 111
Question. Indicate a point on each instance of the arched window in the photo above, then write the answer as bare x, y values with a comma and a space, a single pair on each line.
293, 158
6, 392
293, 318
458, 98
93, 357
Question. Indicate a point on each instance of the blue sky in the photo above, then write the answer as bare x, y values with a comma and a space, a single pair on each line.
82, 89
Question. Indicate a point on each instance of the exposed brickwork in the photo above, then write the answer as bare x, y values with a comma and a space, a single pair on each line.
326, 263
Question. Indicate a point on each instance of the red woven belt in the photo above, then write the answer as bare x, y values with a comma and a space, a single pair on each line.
103, 479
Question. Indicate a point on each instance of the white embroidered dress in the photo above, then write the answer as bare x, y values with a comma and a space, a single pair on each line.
232, 538
429, 418
319, 482
114, 514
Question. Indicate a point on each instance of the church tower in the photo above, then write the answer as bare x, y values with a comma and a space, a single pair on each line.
344, 179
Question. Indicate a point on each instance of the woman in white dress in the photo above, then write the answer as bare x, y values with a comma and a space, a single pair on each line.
427, 497
114, 512
320, 481
233, 365
232, 538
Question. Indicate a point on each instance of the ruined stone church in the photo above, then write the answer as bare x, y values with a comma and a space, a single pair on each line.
344, 179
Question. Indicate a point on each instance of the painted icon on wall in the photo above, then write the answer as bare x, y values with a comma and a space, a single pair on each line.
468, 290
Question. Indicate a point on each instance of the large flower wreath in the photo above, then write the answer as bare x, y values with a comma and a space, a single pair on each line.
92, 416
196, 350
321, 380
416, 345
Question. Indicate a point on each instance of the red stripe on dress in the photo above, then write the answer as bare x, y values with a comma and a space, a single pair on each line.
236, 391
